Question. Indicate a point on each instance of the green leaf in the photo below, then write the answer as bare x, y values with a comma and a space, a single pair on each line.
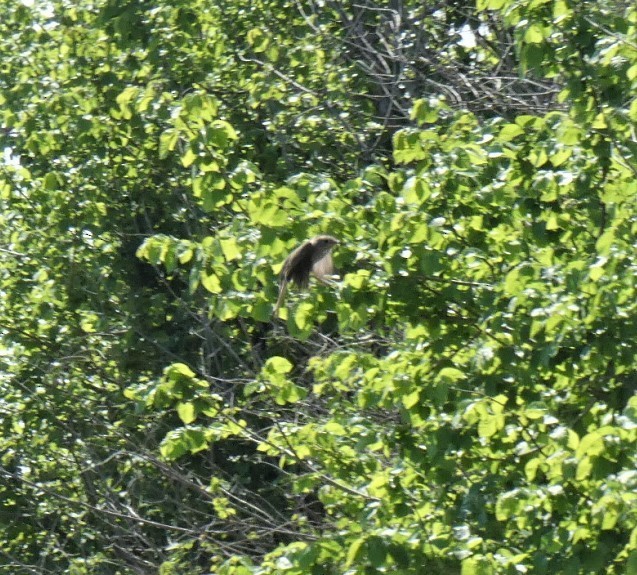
186, 412
277, 365
257, 40
450, 374
355, 550
476, 566
357, 280
188, 158
411, 399
610, 516
605, 242
262, 311
584, 468
267, 213
538, 158
230, 248
490, 425
534, 34
289, 393
220, 134
167, 142
560, 157
52, 181
511, 504
173, 447
376, 551
304, 316
597, 270
509, 132
178, 370
211, 282
561, 9
423, 112
334, 428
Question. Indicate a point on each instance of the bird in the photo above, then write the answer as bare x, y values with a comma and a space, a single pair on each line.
314, 257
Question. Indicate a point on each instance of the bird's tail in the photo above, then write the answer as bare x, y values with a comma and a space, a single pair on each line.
283, 288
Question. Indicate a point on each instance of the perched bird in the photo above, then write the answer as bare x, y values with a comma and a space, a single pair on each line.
311, 257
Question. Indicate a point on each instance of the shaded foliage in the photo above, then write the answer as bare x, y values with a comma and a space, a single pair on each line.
461, 401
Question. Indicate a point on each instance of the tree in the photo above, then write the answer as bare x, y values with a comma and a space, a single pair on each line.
463, 401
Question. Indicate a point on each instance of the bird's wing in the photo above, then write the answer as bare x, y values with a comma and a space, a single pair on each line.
298, 265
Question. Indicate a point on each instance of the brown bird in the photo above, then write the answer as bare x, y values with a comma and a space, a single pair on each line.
311, 257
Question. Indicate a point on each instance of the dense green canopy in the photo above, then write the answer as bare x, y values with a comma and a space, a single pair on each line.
462, 400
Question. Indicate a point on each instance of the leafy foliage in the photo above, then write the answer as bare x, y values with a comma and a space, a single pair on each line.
462, 400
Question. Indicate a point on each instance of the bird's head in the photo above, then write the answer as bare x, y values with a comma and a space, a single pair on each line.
322, 248
325, 241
